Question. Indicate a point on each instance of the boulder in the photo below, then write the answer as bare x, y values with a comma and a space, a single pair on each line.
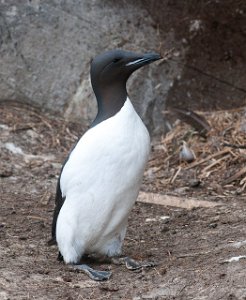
46, 48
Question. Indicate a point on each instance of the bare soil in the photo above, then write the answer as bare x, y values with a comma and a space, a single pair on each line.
192, 247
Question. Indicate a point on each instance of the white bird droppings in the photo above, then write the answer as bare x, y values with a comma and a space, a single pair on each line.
161, 218
13, 148
235, 258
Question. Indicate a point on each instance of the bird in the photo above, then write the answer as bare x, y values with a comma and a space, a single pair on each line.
186, 153
100, 179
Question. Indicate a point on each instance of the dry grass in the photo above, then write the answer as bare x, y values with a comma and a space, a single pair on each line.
220, 157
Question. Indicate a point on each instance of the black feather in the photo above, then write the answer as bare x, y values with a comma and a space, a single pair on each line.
59, 200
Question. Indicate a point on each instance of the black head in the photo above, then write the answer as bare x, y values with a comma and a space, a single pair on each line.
109, 73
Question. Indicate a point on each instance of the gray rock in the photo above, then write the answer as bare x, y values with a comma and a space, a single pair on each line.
213, 36
46, 48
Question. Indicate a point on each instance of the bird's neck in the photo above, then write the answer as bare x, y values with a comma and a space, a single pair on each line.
110, 100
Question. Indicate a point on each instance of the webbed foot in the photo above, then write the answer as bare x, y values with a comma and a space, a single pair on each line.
94, 274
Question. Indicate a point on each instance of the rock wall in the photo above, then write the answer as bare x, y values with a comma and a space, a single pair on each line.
212, 35
46, 48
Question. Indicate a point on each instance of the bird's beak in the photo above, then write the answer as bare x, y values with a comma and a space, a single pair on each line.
137, 62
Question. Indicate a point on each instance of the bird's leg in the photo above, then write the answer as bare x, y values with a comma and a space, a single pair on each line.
93, 274
132, 264
59, 257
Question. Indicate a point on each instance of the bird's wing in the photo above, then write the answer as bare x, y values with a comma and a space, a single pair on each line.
59, 200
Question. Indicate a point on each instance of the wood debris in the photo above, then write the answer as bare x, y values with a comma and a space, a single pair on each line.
220, 156
167, 200
197, 121
236, 176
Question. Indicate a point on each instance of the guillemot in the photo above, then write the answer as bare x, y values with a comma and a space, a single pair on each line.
100, 179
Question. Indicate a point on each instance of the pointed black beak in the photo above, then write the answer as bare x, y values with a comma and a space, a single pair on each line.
143, 60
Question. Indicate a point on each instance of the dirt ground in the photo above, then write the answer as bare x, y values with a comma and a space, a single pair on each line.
200, 252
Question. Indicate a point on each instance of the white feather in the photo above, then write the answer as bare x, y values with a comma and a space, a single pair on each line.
101, 181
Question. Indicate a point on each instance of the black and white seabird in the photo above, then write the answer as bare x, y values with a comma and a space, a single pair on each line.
100, 180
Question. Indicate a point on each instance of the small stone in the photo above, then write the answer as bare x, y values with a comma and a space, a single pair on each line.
164, 229
67, 279
212, 225
162, 271
195, 183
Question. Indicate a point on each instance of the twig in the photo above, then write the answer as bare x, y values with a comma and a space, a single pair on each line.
224, 151
243, 181
193, 254
234, 146
215, 163
175, 175
235, 176
46, 198
167, 200
37, 218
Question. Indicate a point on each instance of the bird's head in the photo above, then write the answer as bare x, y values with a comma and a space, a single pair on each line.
109, 73
116, 66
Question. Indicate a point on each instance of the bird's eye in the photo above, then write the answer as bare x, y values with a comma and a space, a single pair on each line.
116, 60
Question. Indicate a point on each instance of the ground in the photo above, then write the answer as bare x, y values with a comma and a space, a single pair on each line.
191, 246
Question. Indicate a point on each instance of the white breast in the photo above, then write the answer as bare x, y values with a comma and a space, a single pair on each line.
101, 181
